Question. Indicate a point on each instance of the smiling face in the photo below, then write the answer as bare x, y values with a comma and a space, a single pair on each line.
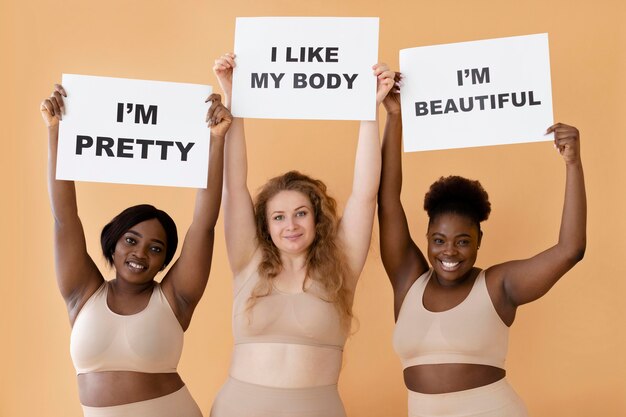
140, 252
291, 222
453, 242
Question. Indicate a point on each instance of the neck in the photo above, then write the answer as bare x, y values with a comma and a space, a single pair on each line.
467, 277
120, 286
293, 263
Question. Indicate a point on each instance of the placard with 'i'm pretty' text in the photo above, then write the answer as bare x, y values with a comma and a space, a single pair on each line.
133, 132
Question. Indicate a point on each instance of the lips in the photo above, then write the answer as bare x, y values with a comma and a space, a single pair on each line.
293, 237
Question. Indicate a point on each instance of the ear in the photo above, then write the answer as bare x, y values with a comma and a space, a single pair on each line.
480, 238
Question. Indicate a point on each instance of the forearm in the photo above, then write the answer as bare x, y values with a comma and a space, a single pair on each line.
573, 232
208, 200
235, 162
391, 175
62, 193
367, 162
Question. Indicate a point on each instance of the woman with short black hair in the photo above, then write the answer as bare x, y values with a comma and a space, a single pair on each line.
127, 333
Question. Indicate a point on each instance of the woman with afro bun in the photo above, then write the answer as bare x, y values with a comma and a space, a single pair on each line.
452, 317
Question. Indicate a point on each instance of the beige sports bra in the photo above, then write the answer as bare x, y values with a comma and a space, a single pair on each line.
471, 332
301, 318
150, 341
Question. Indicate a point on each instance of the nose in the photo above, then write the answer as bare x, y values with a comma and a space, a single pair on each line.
291, 223
141, 251
450, 249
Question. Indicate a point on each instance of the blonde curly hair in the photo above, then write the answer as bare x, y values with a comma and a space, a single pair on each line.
326, 261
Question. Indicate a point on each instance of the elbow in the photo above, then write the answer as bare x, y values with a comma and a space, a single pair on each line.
577, 254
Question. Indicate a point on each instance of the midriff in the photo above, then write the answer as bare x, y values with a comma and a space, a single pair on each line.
105, 389
450, 377
286, 365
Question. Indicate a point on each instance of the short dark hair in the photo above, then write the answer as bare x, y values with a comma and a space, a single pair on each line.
131, 216
457, 195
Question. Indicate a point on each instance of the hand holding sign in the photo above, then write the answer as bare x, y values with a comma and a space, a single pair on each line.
223, 70
385, 81
566, 141
52, 108
392, 101
218, 117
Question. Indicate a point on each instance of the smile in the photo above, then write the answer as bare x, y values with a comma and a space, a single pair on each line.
293, 237
135, 266
449, 266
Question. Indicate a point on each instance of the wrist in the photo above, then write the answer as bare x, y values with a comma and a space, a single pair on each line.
53, 131
576, 163
218, 138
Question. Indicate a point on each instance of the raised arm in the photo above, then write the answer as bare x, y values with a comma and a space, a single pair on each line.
239, 221
77, 275
526, 280
355, 228
187, 278
402, 259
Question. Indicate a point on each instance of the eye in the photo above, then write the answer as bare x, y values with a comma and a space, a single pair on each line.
301, 213
438, 241
129, 240
463, 242
156, 249
278, 217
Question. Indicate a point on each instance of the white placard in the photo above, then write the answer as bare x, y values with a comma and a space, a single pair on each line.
134, 132
305, 68
479, 93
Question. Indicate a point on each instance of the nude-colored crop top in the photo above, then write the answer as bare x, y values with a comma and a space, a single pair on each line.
471, 332
301, 318
150, 341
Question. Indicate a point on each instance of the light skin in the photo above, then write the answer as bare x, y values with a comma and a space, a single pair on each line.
279, 364
453, 243
291, 225
139, 255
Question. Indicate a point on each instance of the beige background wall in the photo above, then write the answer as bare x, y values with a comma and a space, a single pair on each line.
567, 350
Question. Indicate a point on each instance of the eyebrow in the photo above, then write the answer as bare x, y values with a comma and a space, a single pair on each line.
460, 235
132, 232
296, 209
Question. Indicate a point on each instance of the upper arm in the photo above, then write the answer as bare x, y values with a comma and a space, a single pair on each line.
355, 233
239, 218
77, 275
402, 258
526, 280
187, 278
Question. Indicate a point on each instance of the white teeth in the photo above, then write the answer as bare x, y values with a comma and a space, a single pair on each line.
449, 264
134, 265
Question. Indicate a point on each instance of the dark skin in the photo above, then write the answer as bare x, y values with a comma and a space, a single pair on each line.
453, 242
139, 255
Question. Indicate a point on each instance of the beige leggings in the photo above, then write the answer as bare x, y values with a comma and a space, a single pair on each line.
241, 399
493, 400
176, 404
